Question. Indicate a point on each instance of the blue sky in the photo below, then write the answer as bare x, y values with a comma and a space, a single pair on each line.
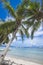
14, 3
37, 41
3, 12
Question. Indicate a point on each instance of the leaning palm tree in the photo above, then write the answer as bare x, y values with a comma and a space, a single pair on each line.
12, 26
27, 10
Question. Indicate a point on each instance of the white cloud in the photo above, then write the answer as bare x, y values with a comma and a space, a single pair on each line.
28, 42
39, 32
9, 18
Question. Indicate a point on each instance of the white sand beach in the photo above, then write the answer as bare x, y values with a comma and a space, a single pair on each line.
20, 61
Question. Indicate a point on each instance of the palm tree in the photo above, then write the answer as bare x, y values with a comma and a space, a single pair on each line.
12, 26
29, 10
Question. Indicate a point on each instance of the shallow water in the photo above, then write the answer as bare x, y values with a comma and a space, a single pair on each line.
31, 54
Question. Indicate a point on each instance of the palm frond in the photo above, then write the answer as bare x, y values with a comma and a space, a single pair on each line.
33, 8
35, 28
22, 34
25, 31
10, 9
5, 29
26, 2
29, 22
34, 5
20, 10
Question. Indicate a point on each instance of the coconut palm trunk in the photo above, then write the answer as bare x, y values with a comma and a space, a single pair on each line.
5, 51
8, 45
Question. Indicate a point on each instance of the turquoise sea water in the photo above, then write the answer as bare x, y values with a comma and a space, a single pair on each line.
30, 54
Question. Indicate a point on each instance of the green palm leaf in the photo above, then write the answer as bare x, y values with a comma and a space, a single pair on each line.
25, 31
5, 29
22, 34
10, 9
35, 27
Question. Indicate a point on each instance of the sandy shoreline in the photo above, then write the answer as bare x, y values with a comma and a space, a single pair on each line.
18, 61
